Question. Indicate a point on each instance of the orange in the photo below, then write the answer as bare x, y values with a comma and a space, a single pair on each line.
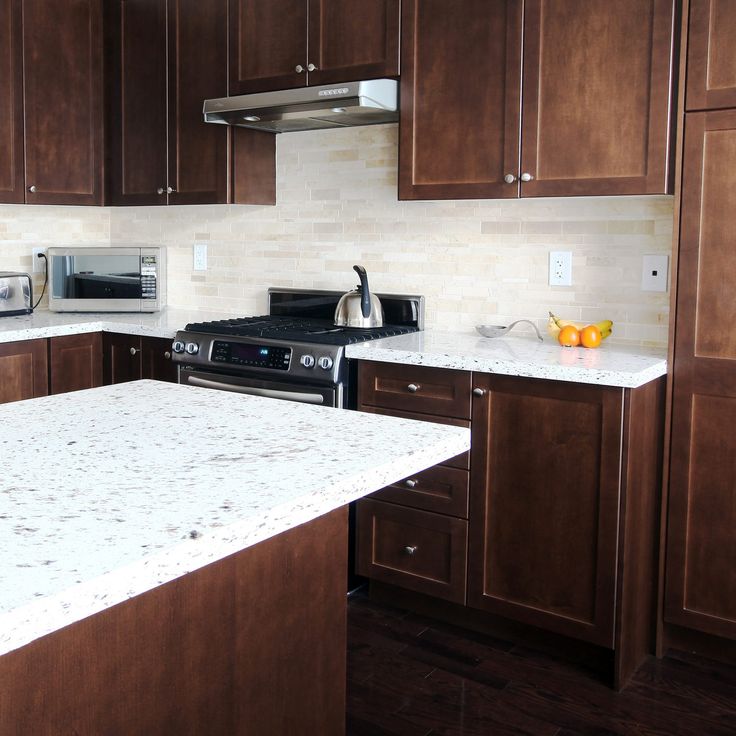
590, 336
569, 336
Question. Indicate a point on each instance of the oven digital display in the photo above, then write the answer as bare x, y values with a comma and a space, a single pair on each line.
252, 356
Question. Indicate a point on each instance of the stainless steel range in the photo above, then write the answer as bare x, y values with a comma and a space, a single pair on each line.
295, 352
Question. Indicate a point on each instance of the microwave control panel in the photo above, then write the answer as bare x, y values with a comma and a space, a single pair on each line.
148, 277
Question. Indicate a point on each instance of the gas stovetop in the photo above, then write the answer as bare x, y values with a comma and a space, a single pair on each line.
296, 329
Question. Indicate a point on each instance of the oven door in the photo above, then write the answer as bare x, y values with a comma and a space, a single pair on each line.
330, 395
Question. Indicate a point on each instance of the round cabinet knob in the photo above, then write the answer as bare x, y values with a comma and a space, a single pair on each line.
412, 388
160, 190
177, 346
411, 483
191, 348
298, 68
325, 362
509, 178
32, 189
479, 392
170, 190
307, 361
133, 351
526, 177
410, 550
167, 355
311, 68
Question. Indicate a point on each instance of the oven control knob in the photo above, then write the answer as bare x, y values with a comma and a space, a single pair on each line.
307, 361
177, 346
325, 362
192, 348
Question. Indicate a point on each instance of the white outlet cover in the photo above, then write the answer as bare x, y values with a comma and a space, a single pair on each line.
39, 264
560, 268
654, 273
200, 257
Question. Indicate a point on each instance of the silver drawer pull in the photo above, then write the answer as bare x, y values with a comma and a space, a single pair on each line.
410, 550
479, 392
413, 388
133, 351
411, 483
167, 355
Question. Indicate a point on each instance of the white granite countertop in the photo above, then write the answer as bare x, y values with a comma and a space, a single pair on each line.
42, 324
110, 492
608, 365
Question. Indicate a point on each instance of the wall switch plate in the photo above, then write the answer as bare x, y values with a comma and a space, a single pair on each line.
654, 273
200, 257
560, 268
39, 264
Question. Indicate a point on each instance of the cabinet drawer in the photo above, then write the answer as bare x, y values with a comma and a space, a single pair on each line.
442, 489
413, 549
459, 461
415, 388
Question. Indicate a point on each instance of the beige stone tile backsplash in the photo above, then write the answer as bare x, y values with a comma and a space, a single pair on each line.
476, 261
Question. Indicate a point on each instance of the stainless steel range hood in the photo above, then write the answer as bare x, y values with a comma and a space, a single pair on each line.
309, 108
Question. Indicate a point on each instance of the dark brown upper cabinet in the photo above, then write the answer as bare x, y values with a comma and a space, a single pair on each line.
12, 179
280, 44
591, 98
169, 55
711, 62
51, 113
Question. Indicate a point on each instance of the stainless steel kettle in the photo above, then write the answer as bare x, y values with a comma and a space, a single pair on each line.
359, 308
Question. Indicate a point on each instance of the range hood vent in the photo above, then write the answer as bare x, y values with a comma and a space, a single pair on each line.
309, 108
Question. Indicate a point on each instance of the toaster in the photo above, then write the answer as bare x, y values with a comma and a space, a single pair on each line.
16, 294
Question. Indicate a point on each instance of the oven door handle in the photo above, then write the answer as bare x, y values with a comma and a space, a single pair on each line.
253, 391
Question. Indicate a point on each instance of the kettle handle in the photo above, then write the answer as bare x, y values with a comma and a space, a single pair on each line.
365, 295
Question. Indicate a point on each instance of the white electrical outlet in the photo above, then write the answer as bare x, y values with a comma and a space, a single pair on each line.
39, 264
200, 257
654, 273
560, 268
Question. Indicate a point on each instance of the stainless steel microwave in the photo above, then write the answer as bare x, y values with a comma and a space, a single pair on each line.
115, 279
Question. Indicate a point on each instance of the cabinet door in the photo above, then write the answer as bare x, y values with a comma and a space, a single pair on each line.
137, 30
701, 543
596, 99
75, 362
460, 87
350, 40
23, 370
62, 66
268, 41
12, 189
544, 504
156, 360
121, 358
711, 61
197, 69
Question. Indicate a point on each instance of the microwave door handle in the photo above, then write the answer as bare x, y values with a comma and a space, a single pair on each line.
253, 391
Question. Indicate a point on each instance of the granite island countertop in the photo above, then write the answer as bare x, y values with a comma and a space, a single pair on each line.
110, 492
512, 355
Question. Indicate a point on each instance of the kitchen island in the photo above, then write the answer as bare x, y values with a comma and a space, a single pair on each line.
174, 559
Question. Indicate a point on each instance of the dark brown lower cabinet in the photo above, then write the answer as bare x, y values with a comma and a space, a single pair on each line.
251, 645
23, 370
75, 362
562, 519
131, 357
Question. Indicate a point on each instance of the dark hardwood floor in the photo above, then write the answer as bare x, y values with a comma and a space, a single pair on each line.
412, 676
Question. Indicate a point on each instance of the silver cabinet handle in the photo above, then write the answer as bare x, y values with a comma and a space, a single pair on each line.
133, 351
32, 189
160, 190
413, 388
479, 392
411, 483
526, 177
167, 355
298, 68
170, 190
410, 550
311, 68
509, 178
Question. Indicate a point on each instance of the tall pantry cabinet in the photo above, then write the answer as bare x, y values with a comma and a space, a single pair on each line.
700, 581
